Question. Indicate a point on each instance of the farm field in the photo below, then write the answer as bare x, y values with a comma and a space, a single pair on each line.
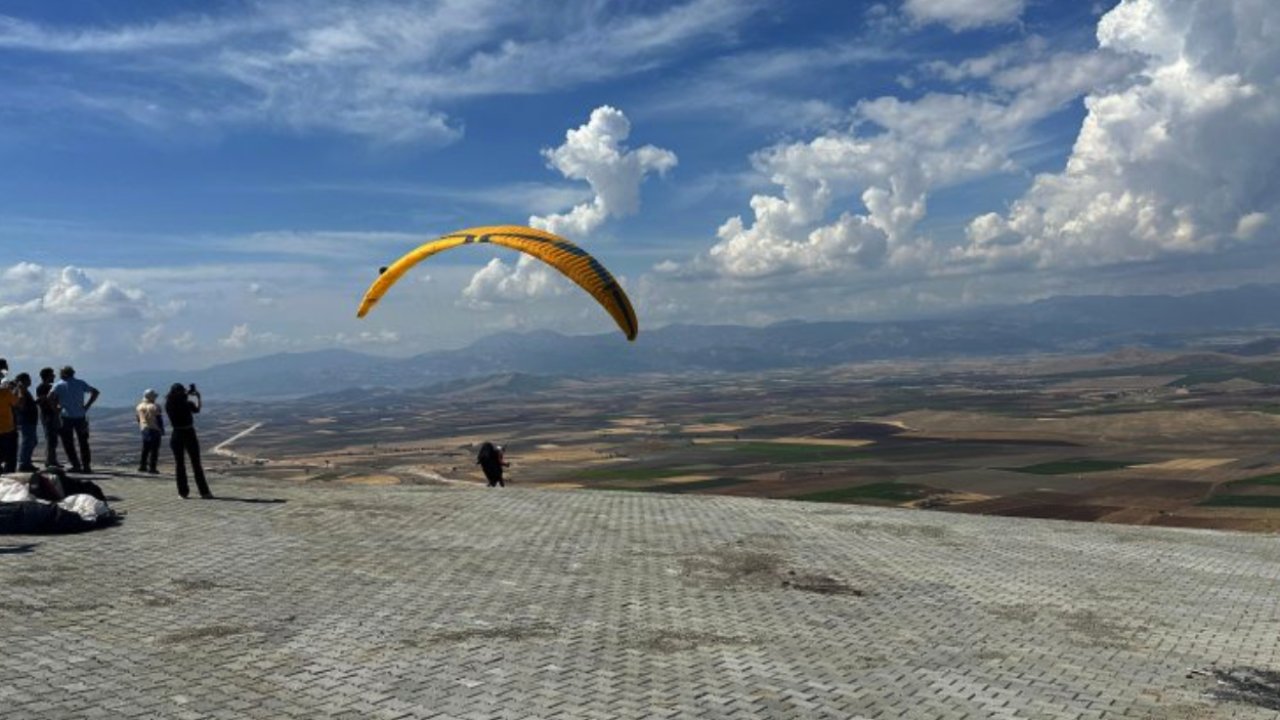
1138, 439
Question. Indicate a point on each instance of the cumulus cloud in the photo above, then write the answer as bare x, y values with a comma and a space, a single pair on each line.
964, 14
243, 338
69, 294
597, 154
896, 155
1179, 159
364, 338
53, 315
500, 282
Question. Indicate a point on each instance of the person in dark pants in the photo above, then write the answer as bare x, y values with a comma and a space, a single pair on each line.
151, 423
70, 391
10, 402
491, 461
181, 409
28, 423
50, 417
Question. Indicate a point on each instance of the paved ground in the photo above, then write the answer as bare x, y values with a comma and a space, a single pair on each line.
416, 602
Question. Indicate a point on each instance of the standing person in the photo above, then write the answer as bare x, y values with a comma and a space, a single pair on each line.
491, 461
10, 401
181, 409
28, 416
50, 417
70, 391
151, 423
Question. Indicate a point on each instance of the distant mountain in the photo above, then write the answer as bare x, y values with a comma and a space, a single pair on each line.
1062, 324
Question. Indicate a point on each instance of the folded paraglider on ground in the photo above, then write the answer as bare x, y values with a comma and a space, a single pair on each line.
50, 502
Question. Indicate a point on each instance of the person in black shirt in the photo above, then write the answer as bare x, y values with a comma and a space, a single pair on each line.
28, 417
491, 461
50, 416
181, 409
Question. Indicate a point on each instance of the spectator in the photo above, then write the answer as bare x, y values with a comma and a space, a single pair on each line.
70, 391
50, 417
10, 401
28, 416
151, 423
181, 410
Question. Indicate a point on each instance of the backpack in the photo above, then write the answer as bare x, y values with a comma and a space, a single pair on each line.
55, 485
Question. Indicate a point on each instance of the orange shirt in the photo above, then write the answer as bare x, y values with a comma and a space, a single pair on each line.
8, 404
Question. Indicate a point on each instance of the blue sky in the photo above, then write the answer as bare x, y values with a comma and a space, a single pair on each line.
188, 183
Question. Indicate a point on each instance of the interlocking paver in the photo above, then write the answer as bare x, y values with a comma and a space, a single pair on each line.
419, 602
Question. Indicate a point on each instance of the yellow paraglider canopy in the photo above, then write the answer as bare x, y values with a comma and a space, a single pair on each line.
572, 261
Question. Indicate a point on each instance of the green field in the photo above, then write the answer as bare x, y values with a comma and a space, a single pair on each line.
798, 452
1072, 467
628, 473
891, 492
1272, 479
1254, 501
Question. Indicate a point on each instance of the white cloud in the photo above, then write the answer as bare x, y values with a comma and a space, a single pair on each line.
24, 273
964, 14
69, 294
596, 153
499, 282
362, 339
316, 244
243, 338
1179, 159
381, 70
53, 315
184, 341
771, 88
899, 153
150, 338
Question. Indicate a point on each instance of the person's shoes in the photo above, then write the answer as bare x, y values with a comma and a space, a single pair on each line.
153, 471
182, 495
142, 469
28, 468
75, 469
206, 496
86, 470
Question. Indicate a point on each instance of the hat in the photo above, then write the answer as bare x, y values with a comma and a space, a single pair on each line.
150, 394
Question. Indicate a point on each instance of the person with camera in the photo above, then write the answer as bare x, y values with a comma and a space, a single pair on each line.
71, 391
182, 405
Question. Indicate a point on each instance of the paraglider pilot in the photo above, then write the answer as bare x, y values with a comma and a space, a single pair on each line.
491, 461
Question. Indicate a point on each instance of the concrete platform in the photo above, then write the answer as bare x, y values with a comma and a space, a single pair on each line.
426, 602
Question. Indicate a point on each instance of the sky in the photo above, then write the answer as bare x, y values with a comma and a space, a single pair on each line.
189, 183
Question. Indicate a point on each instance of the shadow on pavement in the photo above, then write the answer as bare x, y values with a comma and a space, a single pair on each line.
253, 501
18, 549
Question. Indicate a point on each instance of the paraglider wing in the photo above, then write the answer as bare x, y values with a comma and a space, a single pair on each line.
572, 261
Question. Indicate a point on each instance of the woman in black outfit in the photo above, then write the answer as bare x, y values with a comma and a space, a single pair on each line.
181, 410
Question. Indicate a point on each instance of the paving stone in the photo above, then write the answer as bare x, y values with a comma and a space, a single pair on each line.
421, 602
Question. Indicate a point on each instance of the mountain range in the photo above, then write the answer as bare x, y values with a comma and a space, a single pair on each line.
1243, 316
